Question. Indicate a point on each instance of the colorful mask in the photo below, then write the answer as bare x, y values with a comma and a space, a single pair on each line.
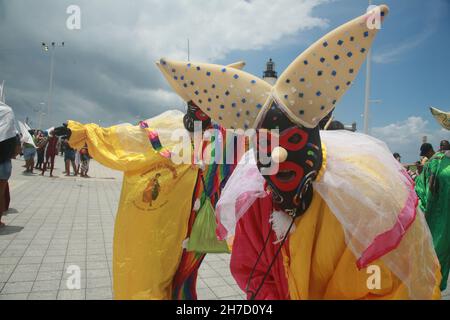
299, 158
193, 114
305, 93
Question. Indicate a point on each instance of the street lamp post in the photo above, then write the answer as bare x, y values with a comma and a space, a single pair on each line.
367, 94
51, 48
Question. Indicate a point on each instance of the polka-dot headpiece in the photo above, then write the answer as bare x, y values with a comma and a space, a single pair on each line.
307, 90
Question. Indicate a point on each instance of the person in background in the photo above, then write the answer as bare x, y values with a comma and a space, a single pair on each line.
433, 190
85, 158
397, 157
29, 151
41, 142
444, 145
51, 152
77, 162
69, 158
426, 152
9, 149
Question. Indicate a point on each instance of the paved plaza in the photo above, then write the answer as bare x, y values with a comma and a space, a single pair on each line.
57, 222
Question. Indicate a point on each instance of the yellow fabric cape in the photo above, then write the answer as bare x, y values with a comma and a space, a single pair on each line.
148, 236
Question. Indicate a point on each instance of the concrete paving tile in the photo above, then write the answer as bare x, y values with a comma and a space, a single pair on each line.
72, 294
43, 295
15, 296
17, 287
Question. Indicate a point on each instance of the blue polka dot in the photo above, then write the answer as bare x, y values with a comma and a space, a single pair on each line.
336, 57
209, 109
185, 85
259, 106
334, 101
363, 50
224, 70
182, 77
325, 44
243, 100
350, 71
192, 83
333, 73
319, 73
163, 62
213, 86
198, 68
349, 54
302, 79
348, 83
188, 65
238, 114
222, 106
337, 88
305, 62
318, 93
208, 73
245, 126
227, 93
352, 38
196, 93
300, 95
209, 99
366, 34
253, 81
340, 42
382, 13
235, 76
302, 112
322, 107
322, 59
233, 104
285, 96
175, 77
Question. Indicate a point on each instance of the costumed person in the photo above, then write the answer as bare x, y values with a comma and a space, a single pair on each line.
153, 256
339, 209
50, 152
9, 149
433, 189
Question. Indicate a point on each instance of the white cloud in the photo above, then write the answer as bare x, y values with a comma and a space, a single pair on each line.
111, 58
405, 137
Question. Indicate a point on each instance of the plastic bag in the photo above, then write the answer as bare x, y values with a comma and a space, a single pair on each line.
203, 235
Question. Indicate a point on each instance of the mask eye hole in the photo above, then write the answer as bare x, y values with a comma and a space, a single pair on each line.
295, 138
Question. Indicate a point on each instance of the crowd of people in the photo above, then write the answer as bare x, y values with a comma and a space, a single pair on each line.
431, 175
39, 154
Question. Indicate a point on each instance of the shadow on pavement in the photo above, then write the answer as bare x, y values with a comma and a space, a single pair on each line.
9, 230
10, 211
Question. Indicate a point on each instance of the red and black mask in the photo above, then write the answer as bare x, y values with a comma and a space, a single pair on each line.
193, 114
291, 184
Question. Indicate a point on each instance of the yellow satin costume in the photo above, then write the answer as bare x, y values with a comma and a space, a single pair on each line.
147, 237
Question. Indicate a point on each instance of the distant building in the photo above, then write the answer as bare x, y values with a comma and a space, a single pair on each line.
270, 75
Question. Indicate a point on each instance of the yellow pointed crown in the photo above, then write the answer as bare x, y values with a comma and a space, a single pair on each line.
306, 91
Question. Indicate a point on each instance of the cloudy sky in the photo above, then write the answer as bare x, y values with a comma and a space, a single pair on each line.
106, 74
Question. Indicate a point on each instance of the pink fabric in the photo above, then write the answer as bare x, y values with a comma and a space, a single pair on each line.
389, 240
251, 231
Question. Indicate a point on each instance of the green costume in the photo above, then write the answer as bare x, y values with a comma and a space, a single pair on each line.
433, 189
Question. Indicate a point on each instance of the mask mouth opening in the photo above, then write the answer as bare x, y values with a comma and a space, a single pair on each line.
285, 176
